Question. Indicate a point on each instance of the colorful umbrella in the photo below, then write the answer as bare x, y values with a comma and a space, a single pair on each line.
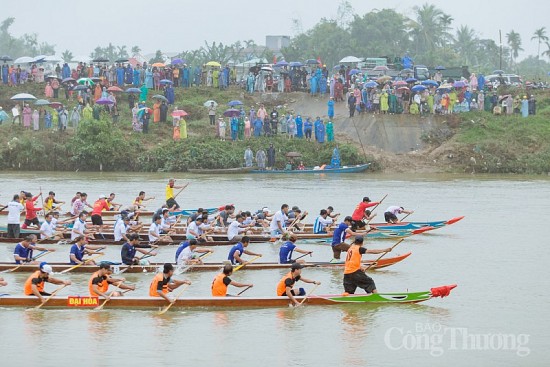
114, 88
234, 103
400, 83
158, 65
179, 113
209, 102
232, 113
410, 80
104, 101
266, 68
312, 62
24, 60
56, 104
80, 87
161, 97
383, 79
133, 90
354, 71
42, 102
23, 97
67, 80
371, 84
430, 82
85, 81
213, 63
419, 88
166, 81
350, 59
295, 64
281, 64
178, 61
381, 68
6, 58
403, 88
459, 84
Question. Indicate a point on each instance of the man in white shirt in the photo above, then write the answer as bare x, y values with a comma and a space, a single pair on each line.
154, 231
167, 221
322, 222
79, 227
236, 227
121, 228
188, 251
278, 223
14, 213
47, 229
390, 215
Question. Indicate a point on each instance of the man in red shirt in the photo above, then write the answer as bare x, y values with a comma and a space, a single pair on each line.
30, 216
99, 206
361, 213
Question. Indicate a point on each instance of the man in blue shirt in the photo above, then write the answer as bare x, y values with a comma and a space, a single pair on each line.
339, 237
79, 249
22, 253
129, 249
287, 248
240, 249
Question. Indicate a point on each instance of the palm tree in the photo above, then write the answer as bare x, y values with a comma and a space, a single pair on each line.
446, 21
540, 36
67, 56
135, 50
466, 44
121, 52
547, 52
428, 30
514, 41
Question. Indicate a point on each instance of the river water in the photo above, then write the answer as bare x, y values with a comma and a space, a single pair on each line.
497, 255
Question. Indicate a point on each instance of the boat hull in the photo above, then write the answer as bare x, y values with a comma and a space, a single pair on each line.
351, 169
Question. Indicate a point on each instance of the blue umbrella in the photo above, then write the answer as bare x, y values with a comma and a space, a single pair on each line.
354, 71
371, 84
281, 64
410, 80
440, 67
418, 88
235, 103
459, 84
312, 62
67, 80
336, 67
232, 113
133, 90
295, 64
178, 61
430, 82
166, 81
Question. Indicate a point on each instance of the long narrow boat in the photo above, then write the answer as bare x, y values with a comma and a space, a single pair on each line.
145, 213
221, 171
344, 169
232, 302
154, 267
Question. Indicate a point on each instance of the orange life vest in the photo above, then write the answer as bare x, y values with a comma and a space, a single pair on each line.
28, 283
159, 278
281, 287
219, 289
353, 260
103, 285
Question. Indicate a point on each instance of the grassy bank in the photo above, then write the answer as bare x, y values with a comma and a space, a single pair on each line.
99, 144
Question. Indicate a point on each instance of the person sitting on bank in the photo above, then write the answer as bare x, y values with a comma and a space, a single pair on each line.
222, 281
284, 287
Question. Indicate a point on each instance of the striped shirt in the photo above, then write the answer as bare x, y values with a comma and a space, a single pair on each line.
320, 224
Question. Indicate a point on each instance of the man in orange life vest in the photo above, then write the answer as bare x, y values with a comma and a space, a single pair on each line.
284, 288
100, 280
222, 281
354, 271
163, 283
34, 286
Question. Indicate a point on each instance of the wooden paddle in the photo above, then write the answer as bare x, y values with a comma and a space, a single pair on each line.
402, 219
186, 268
100, 307
244, 290
20, 265
246, 263
309, 294
376, 206
50, 297
381, 256
163, 311
299, 257
183, 188
82, 263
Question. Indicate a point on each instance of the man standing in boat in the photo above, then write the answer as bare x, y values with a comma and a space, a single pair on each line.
170, 197
222, 281
339, 238
354, 271
163, 283
99, 282
390, 215
34, 285
286, 284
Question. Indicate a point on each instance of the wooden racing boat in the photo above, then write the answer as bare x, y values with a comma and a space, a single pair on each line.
344, 169
154, 267
234, 302
145, 213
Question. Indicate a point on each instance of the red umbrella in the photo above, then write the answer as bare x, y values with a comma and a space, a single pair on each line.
179, 113
114, 88
403, 88
400, 83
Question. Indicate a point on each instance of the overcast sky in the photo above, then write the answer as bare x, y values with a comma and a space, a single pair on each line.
177, 25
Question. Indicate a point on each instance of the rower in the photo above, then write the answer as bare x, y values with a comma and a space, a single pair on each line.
121, 228
197, 229
80, 227
163, 283
170, 199
186, 252
79, 249
99, 282
222, 281
129, 249
50, 201
99, 206
287, 248
354, 271
138, 201
237, 227
111, 204
284, 288
390, 215
79, 204
278, 223
330, 211
48, 228
30, 217
23, 250
195, 215
360, 213
34, 285
222, 219
155, 229
339, 238
294, 217
322, 222
238, 250
166, 221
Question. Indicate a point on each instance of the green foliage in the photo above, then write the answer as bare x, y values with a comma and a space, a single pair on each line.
26, 45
